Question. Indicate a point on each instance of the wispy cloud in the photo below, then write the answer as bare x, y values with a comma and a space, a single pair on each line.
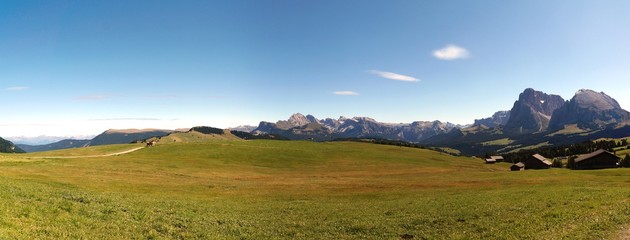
183, 97
16, 88
26, 125
394, 76
451, 52
126, 119
165, 96
94, 97
346, 93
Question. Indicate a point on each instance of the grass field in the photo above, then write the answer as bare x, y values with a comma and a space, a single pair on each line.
499, 142
303, 190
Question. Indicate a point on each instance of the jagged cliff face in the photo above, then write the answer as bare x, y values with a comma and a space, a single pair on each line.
532, 112
589, 110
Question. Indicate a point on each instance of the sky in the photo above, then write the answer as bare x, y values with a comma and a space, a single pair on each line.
76, 68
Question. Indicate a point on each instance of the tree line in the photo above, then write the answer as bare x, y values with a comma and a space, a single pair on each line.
570, 150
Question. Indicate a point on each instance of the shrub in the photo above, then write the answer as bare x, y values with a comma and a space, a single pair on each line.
625, 162
557, 163
571, 162
208, 130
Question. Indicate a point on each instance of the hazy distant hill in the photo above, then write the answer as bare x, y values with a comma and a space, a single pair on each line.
63, 144
7, 146
43, 139
118, 136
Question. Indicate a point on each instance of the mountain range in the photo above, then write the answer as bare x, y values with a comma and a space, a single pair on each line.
536, 119
300, 127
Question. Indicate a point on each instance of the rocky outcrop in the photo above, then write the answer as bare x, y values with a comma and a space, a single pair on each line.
589, 110
532, 112
499, 118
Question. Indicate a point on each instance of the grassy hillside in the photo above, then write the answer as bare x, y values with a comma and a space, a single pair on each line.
478, 140
7, 146
194, 136
304, 190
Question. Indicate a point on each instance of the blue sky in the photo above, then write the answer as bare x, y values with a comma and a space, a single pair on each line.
82, 67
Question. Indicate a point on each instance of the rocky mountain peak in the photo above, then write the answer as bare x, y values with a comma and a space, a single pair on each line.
364, 119
311, 118
532, 111
499, 118
540, 102
589, 110
590, 99
298, 119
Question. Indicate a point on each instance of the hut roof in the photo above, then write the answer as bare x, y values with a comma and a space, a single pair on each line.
541, 158
490, 160
593, 154
497, 157
519, 164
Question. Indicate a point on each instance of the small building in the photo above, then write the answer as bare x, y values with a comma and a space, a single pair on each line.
597, 160
497, 158
519, 166
490, 160
537, 161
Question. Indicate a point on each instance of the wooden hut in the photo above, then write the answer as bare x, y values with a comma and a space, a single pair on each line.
597, 160
490, 161
497, 158
537, 161
519, 166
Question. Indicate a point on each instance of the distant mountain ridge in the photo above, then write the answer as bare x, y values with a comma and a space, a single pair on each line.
299, 127
43, 140
63, 144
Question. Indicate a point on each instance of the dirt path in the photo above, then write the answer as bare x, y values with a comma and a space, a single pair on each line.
92, 156
625, 234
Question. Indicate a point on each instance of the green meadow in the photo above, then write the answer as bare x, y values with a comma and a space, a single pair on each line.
300, 190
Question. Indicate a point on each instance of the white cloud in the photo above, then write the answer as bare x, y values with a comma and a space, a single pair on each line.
346, 93
451, 52
16, 88
394, 76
